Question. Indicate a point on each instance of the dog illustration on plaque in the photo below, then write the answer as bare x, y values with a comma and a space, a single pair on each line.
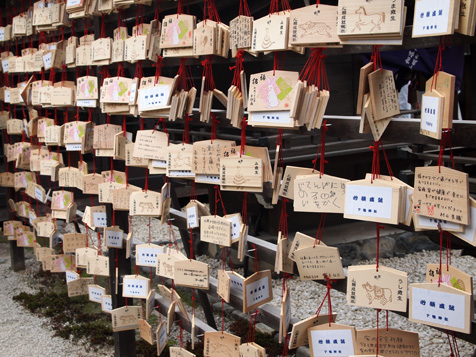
128, 319
169, 268
146, 206
375, 19
315, 28
375, 292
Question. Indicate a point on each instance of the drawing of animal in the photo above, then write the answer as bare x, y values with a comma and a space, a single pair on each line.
146, 206
131, 319
219, 348
374, 292
169, 268
375, 19
315, 28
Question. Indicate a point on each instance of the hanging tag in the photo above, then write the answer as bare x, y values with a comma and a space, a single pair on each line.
257, 290
150, 304
113, 237
385, 336
285, 315
135, 286
449, 200
223, 285
106, 303
299, 336
218, 343
441, 306
453, 277
146, 254
319, 261
145, 331
270, 33
145, 204
79, 287
177, 31
241, 174
165, 263
95, 293
341, 340
192, 274
431, 21
83, 255
73, 241
126, 318
98, 265
216, 230
161, 337
469, 232
383, 94
301, 241
191, 211
170, 316
432, 111
382, 289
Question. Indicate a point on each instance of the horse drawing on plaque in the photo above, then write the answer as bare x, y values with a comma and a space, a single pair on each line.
374, 19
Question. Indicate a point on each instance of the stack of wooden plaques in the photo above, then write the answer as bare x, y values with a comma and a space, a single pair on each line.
177, 35
379, 22
467, 18
211, 38
309, 105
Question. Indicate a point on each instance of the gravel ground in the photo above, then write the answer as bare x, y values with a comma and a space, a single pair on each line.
16, 324
22, 333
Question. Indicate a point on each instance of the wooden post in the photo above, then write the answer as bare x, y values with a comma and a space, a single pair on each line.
124, 341
17, 256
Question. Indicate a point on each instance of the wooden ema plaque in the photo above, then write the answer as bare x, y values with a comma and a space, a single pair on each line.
301, 241
126, 318
73, 241
441, 306
106, 304
333, 340
79, 287
145, 331
145, 204
83, 255
216, 230
445, 85
318, 262
95, 293
257, 290
469, 231
166, 263
432, 111
192, 274
431, 20
285, 315
299, 335
171, 316
180, 352
382, 289
366, 342
441, 195
252, 350
282, 262
450, 276
161, 337
383, 94
218, 344
135, 286
313, 193
98, 265
241, 174
223, 285
290, 174
146, 254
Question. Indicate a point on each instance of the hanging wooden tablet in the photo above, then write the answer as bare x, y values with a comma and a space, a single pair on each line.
145, 331
151, 144
126, 318
26, 239
241, 28
216, 230
285, 315
135, 286
257, 290
83, 255
70, 275
241, 174
318, 262
98, 265
206, 158
179, 161
469, 232
113, 237
191, 211
95, 293
161, 337
450, 276
444, 84
375, 202
290, 174
223, 285
145, 204
441, 306
365, 342
219, 343
106, 304
333, 340
431, 20
192, 274
422, 223
299, 337
180, 352
146, 254
449, 199
377, 128
177, 31
73, 241
79, 287
166, 262
249, 350
383, 94
382, 289
432, 109
313, 26
270, 33
170, 316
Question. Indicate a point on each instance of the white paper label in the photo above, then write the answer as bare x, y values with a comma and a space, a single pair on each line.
147, 256
433, 223
47, 59
236, 284
272, 118
135, 287
469, 230
2, 34
438, 307
181, 173
71, 276
332, 343
153, 97
88, 103
100, 219
5, 65
106, 303
368, 201
431, 17
429, 114
114, 239
257, 291
235, 227
192, 217
73, 147
7, 95
159, 164
132, 98
203, 178
95, 294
